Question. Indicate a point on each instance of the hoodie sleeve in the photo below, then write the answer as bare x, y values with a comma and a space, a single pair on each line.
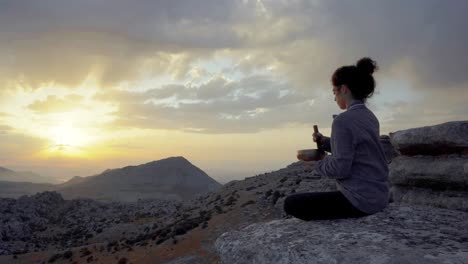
326, 144
338, 165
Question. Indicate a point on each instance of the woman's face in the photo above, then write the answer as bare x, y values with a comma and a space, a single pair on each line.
339, 97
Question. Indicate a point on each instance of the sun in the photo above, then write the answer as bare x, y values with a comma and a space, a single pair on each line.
66, 138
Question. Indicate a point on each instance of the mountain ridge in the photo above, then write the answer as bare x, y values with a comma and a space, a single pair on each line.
169, 178
23, 176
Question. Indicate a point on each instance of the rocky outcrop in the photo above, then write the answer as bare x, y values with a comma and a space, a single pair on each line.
425, 196
397, 235
446, 138
432, 167
46, 220
429, 176
437, 173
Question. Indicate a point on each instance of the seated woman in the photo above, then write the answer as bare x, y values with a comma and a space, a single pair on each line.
357, 162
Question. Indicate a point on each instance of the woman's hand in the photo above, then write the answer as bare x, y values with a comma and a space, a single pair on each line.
317, 137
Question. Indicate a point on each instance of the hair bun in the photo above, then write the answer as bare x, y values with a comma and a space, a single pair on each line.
367, 65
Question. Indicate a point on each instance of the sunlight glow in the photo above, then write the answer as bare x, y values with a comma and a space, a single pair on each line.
67, 134
67, 139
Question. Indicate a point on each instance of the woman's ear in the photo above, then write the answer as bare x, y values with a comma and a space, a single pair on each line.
344, 89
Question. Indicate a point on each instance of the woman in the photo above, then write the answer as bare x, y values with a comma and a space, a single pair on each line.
357, 162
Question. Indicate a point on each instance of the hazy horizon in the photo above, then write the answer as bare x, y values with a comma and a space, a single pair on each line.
219, 174
233, 86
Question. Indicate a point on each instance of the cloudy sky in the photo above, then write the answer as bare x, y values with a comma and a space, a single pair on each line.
233, 86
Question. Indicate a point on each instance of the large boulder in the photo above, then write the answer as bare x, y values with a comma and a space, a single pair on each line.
437, 173
397, 235
457, 200
446, 138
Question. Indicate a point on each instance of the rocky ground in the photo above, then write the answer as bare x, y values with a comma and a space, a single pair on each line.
399, 234
47, 229
47, 221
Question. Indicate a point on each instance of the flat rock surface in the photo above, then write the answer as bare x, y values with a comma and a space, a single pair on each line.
438, 173
407, 234
446, 138
448, 199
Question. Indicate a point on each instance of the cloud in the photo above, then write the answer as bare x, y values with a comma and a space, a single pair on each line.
296, 44
64, 42
5, 129
55, 104
17, 146
252, 104
427, 110
119, 41
430, 35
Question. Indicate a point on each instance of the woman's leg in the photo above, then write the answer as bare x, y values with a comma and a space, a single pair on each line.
320, 206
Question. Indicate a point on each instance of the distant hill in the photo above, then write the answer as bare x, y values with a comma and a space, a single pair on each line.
9, 189
172, 178
72, 181
14, 184
23, 176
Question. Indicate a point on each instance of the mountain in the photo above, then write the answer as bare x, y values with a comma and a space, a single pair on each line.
171, 178
14, 184
10, 189
72, 181
22, 176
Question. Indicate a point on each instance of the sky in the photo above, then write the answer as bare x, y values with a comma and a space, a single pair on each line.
233, 86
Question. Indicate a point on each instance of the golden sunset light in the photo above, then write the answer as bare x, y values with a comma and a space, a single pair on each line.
233, 131
240, 85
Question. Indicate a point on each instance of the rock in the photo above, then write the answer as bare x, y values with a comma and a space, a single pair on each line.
446, 138
46, 219
396, 235
388, 148
188, 260
422, 196
437, 173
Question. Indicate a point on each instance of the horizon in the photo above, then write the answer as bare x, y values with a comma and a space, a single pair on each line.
222, 180
235, 87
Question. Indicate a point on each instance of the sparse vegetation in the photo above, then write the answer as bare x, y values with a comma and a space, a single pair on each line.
231, 201
54, 257
275, 197
123, 260
68, 254
85, 252
247, 203
218, 209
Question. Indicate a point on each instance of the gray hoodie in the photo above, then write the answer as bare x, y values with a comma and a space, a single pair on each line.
358, 161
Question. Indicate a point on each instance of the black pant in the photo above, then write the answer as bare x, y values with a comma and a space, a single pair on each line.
320, 206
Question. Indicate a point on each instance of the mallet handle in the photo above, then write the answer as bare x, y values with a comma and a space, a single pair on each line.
316, 131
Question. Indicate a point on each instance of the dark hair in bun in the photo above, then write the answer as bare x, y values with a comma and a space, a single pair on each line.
358, 78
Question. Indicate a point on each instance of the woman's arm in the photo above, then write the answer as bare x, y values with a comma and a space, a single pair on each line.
338, 165
326, 144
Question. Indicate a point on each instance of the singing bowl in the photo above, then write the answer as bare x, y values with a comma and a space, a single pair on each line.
310, 154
